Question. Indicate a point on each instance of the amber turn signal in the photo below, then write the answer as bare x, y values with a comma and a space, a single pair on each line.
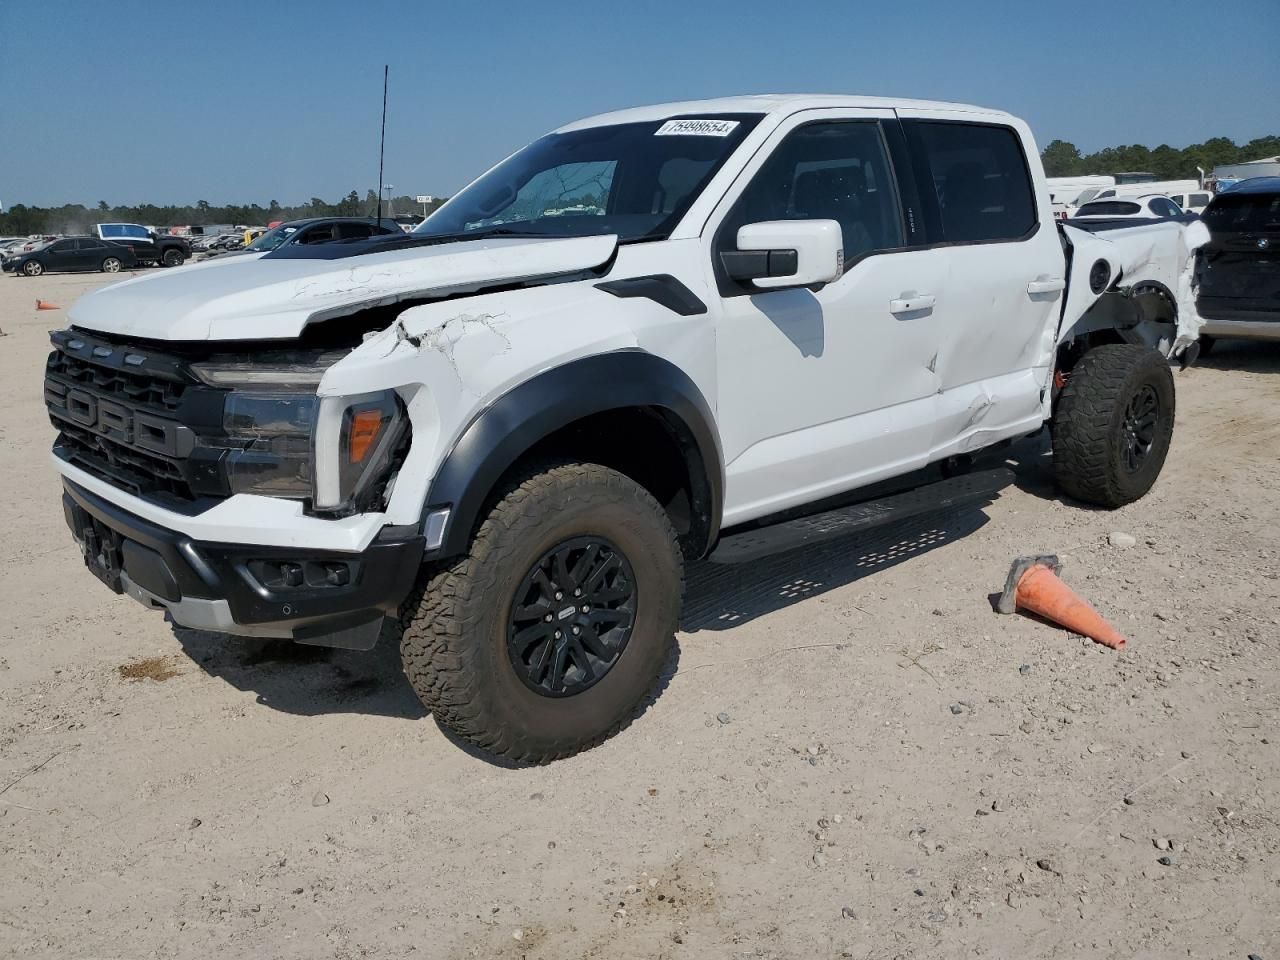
365, 427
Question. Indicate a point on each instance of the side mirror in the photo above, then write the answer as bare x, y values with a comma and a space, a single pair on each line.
787, 253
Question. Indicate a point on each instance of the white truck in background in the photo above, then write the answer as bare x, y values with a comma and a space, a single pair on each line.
645, 337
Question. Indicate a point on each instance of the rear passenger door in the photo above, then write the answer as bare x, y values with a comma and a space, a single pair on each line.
1005, 275
90, 253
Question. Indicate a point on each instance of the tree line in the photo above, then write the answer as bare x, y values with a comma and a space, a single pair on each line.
1063, 159
71, 218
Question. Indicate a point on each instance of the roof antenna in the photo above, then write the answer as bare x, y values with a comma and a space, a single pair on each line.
382, 144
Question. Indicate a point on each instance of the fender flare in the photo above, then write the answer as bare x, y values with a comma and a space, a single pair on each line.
536, 408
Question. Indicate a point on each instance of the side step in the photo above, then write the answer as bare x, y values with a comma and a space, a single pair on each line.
982, 485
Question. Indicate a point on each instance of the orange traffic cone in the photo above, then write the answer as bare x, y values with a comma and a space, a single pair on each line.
1033, 585
42, 305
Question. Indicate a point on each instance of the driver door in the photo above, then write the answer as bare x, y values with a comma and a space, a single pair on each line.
824, 390
62, 255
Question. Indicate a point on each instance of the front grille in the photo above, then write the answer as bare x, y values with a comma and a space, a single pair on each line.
135, 389
119, 417
130, 470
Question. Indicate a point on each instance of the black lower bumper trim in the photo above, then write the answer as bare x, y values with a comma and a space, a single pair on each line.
335, 591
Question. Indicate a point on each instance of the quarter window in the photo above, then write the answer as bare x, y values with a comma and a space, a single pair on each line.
836, 170
980, 178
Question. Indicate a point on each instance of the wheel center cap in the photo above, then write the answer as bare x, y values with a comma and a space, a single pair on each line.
567, 612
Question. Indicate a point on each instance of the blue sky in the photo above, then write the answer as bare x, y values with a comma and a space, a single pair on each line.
234, 101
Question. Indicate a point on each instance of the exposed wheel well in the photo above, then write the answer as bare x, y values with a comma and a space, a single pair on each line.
647, 444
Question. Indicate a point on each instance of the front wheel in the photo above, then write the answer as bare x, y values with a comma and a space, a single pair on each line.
33, 268
543, 640
172, 258
1113, 424
111, 265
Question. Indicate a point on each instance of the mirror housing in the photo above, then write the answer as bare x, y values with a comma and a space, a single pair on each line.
774, 254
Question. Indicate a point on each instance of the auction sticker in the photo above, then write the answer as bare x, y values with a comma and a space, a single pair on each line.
696, 128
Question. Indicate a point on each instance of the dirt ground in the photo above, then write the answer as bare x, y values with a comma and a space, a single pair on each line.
852, 757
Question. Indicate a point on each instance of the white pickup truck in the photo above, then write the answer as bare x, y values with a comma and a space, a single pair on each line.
616, 351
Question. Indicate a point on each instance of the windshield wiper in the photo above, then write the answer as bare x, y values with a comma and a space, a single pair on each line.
493, 232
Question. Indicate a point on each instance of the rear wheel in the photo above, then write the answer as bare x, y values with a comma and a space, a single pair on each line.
1206, 345
1113, 424
111, 265
544, 639
33, 268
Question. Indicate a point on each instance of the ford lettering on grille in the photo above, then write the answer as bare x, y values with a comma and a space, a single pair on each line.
118, 422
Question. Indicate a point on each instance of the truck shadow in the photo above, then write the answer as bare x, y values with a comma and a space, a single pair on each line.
308, 681
1248, 356
312, 681
721, 596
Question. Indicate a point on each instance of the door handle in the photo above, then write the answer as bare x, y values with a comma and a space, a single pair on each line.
1046, 285
912, 303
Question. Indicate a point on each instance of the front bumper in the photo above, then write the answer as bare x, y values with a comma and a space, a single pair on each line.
314, 596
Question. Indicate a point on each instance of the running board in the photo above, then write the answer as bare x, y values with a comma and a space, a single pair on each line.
753, 544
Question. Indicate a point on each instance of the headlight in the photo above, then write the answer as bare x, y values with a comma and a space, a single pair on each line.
356, 442
268, 419
269, 441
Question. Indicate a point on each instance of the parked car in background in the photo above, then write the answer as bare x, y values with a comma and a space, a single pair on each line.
147, 245
25, 245
1239, 268
323, 230
72, 253
11, 246
213, 244
1193, 201
1131, 190
1150, 207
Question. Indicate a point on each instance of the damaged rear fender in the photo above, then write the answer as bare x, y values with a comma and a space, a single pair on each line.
1149, 295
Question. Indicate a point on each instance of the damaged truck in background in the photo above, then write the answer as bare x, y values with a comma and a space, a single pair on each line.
645, 337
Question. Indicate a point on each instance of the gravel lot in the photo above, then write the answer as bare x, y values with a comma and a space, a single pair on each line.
852, 757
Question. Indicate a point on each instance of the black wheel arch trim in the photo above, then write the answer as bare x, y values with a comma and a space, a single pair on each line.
536, 408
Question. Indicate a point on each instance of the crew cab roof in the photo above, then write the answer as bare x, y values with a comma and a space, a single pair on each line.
773, 103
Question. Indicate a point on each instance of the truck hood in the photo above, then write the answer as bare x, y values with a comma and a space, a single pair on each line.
261, 298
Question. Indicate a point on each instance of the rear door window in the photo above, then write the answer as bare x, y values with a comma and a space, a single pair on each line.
980, 179
1110, 208
354, 231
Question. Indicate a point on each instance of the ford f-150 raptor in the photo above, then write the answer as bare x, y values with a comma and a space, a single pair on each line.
641, 334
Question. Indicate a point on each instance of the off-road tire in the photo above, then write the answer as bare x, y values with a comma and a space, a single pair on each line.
455, 624
172, 258
1089, 432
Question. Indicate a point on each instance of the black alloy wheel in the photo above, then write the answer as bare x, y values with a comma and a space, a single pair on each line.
1140, 418
572, 616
